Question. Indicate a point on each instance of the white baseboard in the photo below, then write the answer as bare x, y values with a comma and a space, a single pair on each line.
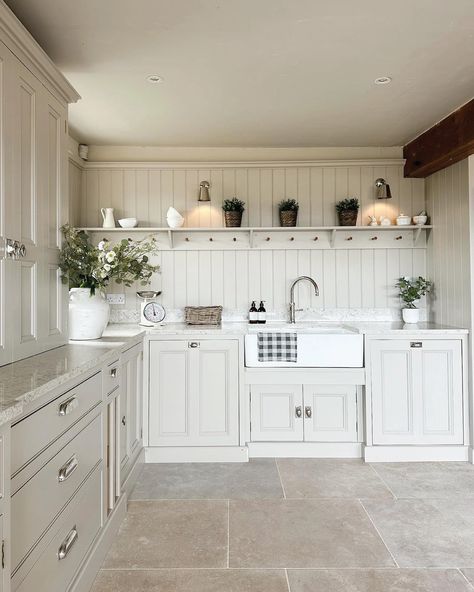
415, 453
471, 455
184, 454
305, 450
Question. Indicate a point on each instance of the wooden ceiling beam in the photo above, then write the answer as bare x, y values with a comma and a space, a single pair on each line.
447, 142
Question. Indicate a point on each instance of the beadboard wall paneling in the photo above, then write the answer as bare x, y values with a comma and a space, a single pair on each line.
348, 279
448, 250
148, 193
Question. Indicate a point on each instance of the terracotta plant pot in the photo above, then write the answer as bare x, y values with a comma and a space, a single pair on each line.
348, 217
288, 217
233, 219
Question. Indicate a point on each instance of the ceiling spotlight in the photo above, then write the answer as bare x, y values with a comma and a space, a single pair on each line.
154, 79
383, 80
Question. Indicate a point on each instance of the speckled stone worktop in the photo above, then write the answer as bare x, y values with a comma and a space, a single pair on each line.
24, 382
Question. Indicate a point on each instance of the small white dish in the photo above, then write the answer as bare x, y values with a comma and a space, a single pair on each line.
420, 220
128, 222
403, 220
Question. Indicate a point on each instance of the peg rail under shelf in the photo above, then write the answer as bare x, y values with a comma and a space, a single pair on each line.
276, 237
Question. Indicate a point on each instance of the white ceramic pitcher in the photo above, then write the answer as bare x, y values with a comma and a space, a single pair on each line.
108, 217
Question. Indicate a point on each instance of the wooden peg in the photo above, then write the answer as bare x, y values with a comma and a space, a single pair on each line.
292, 238
187, 239
211, 239
267, 239
373, 238
398, 237
316, 238
234, 239
349, 238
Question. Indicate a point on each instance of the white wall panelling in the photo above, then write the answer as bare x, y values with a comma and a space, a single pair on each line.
448, 252
355, 278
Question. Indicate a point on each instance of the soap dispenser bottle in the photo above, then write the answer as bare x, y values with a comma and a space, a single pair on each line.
262, 314
253, 314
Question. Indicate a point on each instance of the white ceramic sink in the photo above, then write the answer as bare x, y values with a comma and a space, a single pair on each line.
319, 346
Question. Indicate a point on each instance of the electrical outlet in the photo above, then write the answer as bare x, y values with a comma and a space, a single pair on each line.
116, 298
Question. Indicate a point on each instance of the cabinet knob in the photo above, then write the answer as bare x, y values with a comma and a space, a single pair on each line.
194, 344
308, 412
298, 411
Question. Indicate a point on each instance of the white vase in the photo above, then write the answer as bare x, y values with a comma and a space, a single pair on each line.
107, 217
88, 315
174, 218
411, 315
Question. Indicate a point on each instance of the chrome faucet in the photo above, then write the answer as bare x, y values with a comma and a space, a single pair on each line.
292, 294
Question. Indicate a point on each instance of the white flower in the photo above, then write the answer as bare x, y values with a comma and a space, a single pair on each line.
110, 256
107, 267
101, 245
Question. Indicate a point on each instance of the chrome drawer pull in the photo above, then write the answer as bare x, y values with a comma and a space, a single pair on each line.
68, 468
308, 412
193, 344
124, 421
113, 373
416, 344
68, 406
298, 411
68, 543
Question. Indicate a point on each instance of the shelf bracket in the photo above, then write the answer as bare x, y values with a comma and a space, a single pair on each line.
332, 238
251, 238
416, 235
170, 238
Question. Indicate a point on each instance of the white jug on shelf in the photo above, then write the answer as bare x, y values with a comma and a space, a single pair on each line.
108, 217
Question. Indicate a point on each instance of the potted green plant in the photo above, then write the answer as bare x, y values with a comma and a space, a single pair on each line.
411, 290
88, 270
347, 210
288, 209
233, 210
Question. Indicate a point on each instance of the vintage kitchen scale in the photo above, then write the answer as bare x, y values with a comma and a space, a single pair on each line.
151, 312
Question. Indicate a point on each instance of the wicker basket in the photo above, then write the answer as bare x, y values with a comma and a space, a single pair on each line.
288, 217
233, 219
348, 218
203, 315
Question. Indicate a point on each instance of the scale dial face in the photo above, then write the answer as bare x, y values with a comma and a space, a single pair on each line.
154, 312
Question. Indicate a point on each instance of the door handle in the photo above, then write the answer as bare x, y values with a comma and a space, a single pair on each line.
68, 543
113, 372
194, 344
308, 412
298, 411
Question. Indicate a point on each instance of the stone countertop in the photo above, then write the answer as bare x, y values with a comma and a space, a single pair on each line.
25, 381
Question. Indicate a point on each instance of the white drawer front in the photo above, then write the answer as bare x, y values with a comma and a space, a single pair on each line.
39, 501
70, 539
111, 377
31, 435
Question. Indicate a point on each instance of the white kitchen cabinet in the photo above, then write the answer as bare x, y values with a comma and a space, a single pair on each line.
33, 197
194, 393
303, 413
417, 391
276, 413
131, 408
330, 413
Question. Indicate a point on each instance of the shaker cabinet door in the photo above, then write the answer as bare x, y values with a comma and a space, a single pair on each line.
330, 413
276, 413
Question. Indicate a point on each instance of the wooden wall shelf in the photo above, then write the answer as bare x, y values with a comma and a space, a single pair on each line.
275, 237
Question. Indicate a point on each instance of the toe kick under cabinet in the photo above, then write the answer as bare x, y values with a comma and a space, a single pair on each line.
194, 392
417, 390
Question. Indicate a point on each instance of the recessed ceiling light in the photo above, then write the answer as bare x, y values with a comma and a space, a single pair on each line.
154, 79
383, 80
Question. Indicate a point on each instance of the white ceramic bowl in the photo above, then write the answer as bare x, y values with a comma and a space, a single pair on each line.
420, 220
128, 222
175, 221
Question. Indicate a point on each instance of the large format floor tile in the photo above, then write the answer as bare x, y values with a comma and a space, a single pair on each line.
256, 479
382, 580
303, 533
191, 580
171, 534
428, 479
469, 573
426, 533
330, 478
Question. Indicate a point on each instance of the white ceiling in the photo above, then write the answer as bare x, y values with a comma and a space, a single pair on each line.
257, 72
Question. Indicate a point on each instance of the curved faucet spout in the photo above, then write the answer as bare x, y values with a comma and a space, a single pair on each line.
292, 294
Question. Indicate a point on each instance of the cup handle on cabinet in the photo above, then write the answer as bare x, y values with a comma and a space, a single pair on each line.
298, 411
68, 543
308, 412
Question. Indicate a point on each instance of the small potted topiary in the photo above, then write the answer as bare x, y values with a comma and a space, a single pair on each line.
288, 209
410, 290
347, 210
233, 210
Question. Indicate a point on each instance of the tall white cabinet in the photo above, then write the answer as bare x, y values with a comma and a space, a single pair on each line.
33, 194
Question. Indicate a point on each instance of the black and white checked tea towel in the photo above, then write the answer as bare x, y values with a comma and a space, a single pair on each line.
277, 347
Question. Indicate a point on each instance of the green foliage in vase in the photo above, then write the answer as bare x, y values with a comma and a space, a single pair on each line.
349, 204
233, 205
411, 290
84, 265
288, 205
